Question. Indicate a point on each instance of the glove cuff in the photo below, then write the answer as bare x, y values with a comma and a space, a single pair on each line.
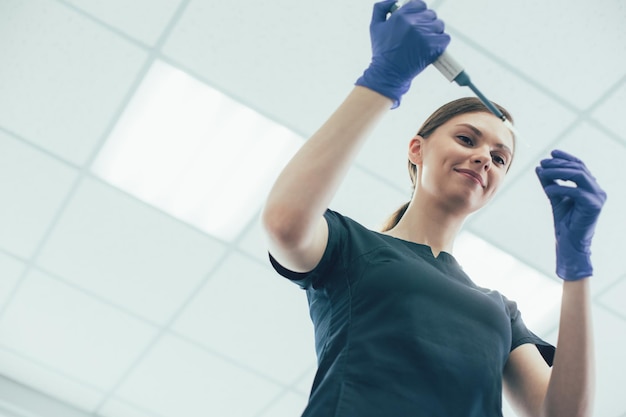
384, 82
573, 266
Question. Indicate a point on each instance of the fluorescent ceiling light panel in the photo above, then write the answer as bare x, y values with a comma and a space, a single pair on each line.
193, 152
538, 297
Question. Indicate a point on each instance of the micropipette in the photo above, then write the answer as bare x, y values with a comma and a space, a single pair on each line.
454, 71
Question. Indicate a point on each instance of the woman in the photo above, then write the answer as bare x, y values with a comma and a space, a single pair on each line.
400, 329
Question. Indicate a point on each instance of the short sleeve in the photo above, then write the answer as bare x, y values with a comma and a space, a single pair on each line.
331, 259
522, 335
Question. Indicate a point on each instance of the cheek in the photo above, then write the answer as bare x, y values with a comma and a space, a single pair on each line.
432, 176
497, 182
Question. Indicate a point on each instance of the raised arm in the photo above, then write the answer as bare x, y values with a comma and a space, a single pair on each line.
402, 46
293, 213
567, 391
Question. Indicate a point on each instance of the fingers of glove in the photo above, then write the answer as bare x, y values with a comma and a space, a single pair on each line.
570, 162
566, 173
381, 10
581, 177
557, 153
412, 32
426, 21
562, 163
588, 202
414, 6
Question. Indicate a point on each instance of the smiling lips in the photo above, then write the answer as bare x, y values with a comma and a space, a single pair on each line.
471, 174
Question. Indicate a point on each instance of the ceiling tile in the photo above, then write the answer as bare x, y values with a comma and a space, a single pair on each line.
33, 186
305, 383
238, 53
10, 271
88, 71
520, 219
544, 41
71, 332
179, 379
42, 378
244, 310
254, 241
611, 112
18, 400
127, 252
610, 337
115, 407
613, 297
143, 20
288, 405
367, 199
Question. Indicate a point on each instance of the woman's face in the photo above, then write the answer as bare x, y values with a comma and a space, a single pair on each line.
464, 161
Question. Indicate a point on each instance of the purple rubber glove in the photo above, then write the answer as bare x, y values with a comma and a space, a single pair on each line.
575, 211
402, 46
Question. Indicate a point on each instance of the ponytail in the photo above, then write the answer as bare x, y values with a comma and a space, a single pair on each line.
393, 220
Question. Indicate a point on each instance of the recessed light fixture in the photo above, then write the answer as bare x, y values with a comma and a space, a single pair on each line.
189, 150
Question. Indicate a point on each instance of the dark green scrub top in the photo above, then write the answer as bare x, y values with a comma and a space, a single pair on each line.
400, 333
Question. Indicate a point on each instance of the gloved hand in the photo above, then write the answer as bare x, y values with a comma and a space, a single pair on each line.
402, 46
575, 211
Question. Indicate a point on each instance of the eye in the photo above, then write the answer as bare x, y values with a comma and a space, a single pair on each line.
499, 159
466, 140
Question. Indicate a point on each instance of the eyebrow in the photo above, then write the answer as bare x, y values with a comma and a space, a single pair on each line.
479, 133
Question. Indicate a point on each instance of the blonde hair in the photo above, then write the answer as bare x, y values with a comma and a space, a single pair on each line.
439, 117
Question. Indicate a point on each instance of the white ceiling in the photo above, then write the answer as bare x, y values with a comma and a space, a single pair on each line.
111, 307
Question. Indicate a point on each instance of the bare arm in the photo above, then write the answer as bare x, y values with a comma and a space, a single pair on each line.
571, 389
567, 390
403, 44
293, 214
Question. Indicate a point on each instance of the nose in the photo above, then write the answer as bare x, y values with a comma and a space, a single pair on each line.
483, 157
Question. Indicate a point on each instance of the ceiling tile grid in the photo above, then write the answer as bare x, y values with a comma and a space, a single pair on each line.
68, 330
610, 112
121, 310
67, 76
178, 378
11, 270
235, 48
290, 404
557, 43
39, 378
34, 186
115, 407
128, 252
612, 298
246, 312
130, 18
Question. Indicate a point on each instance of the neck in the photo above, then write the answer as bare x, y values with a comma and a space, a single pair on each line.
429, 224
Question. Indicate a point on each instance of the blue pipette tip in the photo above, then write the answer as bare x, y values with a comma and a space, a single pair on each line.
464, 80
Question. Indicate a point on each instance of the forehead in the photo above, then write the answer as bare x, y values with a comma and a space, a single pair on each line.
489, 126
